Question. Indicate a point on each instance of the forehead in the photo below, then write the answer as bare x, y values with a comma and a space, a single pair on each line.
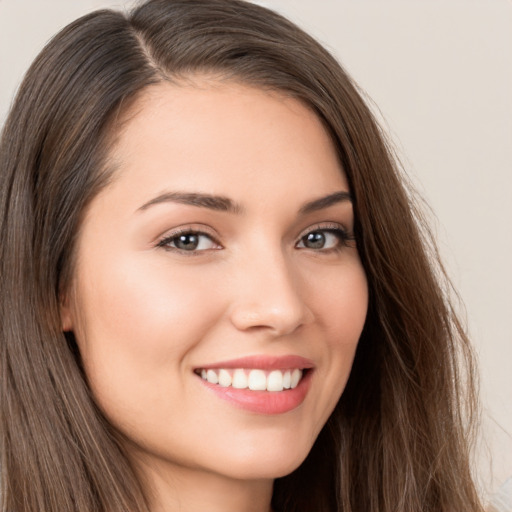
209, 135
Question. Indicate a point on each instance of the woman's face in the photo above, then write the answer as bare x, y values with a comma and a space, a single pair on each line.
222, 250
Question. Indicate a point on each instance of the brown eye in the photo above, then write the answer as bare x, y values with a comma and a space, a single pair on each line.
314, 240
190, 242
323, 239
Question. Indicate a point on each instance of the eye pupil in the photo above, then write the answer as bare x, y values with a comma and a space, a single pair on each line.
187, 242
315, 240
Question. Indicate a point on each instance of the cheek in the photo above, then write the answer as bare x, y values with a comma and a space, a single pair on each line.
142, 304
137, 325
341, 305
339, 298
348, 320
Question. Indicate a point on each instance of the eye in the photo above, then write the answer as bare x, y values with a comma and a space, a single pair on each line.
189, 241
324, 239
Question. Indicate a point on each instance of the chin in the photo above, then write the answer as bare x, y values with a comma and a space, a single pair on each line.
264, 462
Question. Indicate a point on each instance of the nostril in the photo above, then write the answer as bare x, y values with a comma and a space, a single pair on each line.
269, 295
279, 318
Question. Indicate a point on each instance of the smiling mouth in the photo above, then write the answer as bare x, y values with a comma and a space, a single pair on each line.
253, 379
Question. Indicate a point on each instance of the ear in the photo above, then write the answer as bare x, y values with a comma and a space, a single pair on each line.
66, 317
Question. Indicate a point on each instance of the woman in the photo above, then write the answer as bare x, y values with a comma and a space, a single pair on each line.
216, 292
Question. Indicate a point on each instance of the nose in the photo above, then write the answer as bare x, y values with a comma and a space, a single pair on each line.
268, 296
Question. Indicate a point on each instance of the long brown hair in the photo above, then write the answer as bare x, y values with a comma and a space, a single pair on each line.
398, 439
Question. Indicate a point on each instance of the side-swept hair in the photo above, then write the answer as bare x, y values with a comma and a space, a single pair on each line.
398, 438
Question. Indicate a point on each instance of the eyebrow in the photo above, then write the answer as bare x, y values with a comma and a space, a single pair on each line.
212, 202
325, 202
224, 204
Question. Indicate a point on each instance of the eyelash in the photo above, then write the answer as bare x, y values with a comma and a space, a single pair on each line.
343, 235
172, 237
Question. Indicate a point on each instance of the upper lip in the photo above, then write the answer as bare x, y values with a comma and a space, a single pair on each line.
263, 362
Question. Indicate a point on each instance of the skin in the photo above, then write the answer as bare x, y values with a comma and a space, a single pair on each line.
145, 316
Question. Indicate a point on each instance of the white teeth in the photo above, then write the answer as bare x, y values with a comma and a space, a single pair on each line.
255, 380
212, 377
239, 379
275, 381
224, 378
287, 379
296, 376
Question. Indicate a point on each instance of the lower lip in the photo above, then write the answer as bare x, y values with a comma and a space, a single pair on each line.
263, 402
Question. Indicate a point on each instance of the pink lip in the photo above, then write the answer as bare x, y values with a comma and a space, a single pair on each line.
264, 402
264, 363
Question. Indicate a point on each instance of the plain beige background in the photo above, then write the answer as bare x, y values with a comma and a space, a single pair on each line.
440, 72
